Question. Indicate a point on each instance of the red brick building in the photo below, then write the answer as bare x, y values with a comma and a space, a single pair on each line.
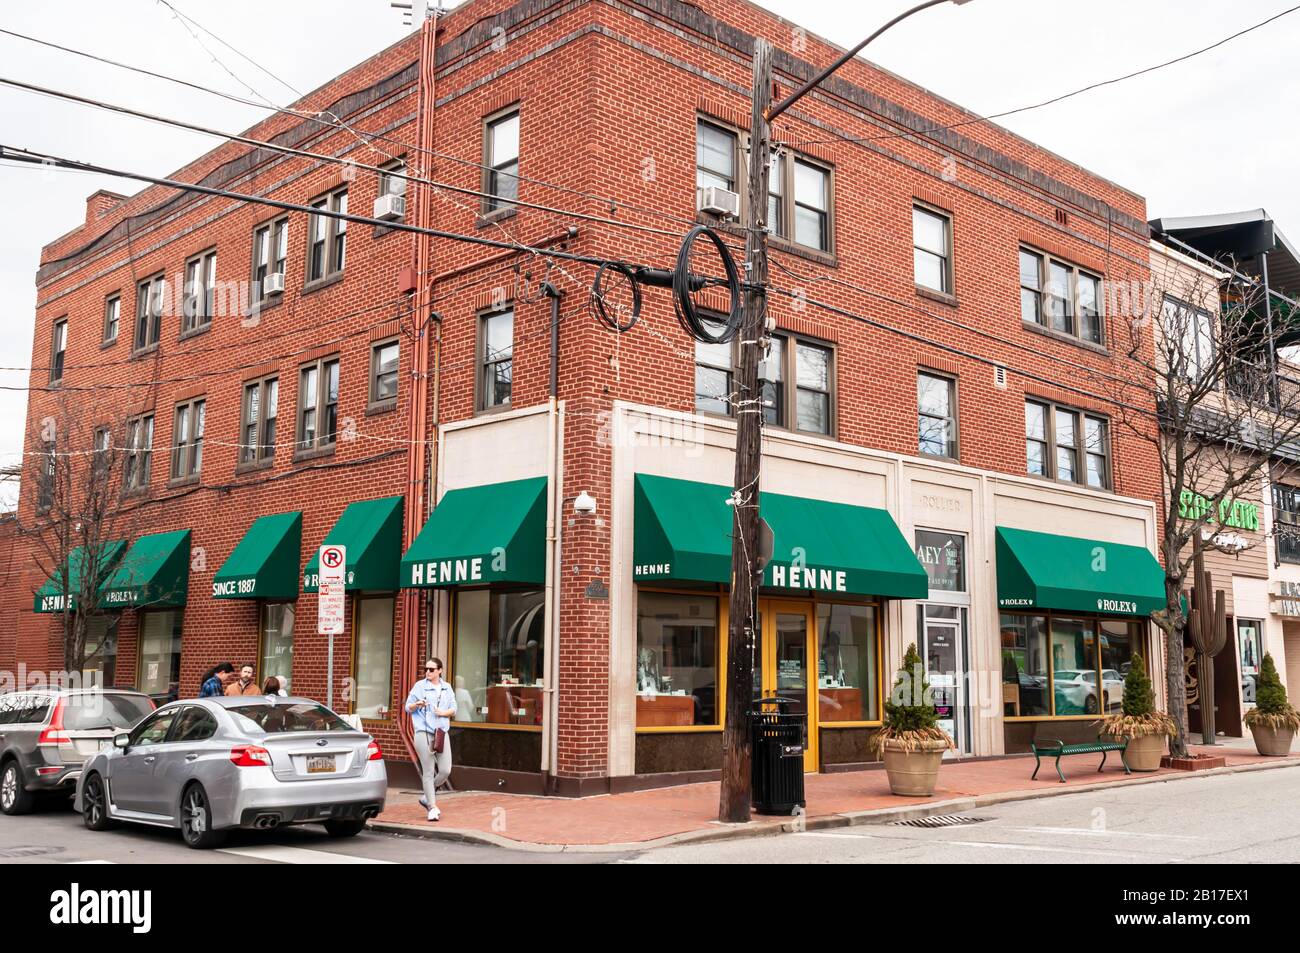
938, 377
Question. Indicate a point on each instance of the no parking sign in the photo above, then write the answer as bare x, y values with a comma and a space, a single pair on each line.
331, 597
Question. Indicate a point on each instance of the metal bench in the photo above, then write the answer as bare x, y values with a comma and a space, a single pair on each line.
1059, 749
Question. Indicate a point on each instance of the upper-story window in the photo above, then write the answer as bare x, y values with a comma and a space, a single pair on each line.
138, 455
936, 408
257, 418
328, 237
1286, 522
392, 180
112, 317
713, 374
383, 373
187, 439
798, 202
715, 157
932, 249
58, 350
46, 476
1191, 332
200, 291
318, 404
270, 251
148, 312
496, 358
1067, 445
501, 161
1060, 296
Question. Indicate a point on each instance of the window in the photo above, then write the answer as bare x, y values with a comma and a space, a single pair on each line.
812, 191
200, 293
1067, 445
383, 373
159, 668
270, 250
496, 350
715, 157
1191, 331
112, 318
1058, 666
1060, 296
45, 477
497, 668
374, 647
1286, 522
275, 657
59, 350
944, 557
257, 420
809, 404
139, 452
187, 439
325, 250
676, 660
193, 724
148, 312
153, 730
103, 449
318, 404
932, 249
101, 651
847, 663
501, 162
390, 183
936, 405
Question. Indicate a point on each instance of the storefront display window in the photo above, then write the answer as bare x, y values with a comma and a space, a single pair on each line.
277, 642
1248, 641
374, 647
677, 660
1024, 666
847, 663
944, 557
498, 668
160, 654
100, 667
1082, 680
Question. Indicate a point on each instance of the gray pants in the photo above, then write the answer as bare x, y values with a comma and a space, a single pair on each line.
434, 767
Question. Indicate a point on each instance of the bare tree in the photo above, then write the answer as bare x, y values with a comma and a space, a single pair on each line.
1204, 344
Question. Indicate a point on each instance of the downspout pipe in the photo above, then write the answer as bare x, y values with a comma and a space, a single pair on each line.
553, 497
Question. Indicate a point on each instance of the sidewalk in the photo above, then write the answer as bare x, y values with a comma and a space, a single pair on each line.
654, 818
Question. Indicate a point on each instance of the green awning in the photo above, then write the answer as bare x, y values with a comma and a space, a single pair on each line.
482, 534
1074, 574
155, 572
265, 563
49, 598
683, 532
371, 532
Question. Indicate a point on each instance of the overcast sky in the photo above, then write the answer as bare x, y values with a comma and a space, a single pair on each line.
1213, 134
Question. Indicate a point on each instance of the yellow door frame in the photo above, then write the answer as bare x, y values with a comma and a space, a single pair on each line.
768, 609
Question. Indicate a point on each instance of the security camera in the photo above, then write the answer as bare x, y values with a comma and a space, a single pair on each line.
584, 504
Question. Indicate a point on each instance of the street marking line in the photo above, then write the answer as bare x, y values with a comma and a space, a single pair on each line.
299, 855
1038, 848
1099, 833
90, 861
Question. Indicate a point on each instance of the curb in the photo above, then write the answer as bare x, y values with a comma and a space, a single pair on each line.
887, 815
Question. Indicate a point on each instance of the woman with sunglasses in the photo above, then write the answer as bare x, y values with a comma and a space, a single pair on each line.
432, 705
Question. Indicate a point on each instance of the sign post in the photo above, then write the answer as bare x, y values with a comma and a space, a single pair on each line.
331, 602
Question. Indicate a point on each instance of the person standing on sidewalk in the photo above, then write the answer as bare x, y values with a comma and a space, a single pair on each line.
432, 705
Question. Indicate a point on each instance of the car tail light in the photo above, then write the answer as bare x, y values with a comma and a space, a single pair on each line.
250, 756
373, 753
54, 735
53, 770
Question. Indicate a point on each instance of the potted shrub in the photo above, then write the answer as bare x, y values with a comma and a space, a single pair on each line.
1139, 723
1272, 721
910, 740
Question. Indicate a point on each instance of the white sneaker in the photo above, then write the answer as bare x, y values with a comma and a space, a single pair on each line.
434, 814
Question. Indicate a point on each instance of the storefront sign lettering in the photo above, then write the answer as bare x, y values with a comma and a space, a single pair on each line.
943, 556
654, 569
1287, 607
1288, 588
1117, 605
1236, 513
118, 596
54, 604
234, 587
446, 571
1010, 603
792, 577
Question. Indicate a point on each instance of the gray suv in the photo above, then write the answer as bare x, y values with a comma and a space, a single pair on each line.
46, 735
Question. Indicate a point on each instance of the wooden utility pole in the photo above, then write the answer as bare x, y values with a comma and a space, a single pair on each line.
742, 634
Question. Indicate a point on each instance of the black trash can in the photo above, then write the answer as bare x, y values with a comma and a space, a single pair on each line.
777, 736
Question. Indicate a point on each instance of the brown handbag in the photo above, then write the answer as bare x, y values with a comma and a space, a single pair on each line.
439, 740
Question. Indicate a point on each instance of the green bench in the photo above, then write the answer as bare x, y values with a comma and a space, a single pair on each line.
1059, 749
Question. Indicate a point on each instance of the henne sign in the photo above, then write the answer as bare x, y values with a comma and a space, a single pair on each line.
447, 572
777, 575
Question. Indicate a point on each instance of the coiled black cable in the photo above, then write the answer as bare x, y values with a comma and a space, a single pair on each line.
598, 296
684, 284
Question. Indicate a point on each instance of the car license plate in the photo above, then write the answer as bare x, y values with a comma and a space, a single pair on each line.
320, 764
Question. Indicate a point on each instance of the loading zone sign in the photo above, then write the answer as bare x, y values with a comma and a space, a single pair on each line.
331, 597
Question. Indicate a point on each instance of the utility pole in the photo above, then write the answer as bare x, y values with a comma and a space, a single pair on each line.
742, 636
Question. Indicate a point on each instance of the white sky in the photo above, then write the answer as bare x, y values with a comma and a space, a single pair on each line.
1213, 134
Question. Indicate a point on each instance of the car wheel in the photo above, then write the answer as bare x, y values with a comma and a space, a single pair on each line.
1090, 704
14, 799
196, 820
344, 828
94, 804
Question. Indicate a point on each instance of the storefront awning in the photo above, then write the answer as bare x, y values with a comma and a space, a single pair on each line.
482, 534
1074, 574
154, 573
49, 598
683, 532
371, 532
265, 563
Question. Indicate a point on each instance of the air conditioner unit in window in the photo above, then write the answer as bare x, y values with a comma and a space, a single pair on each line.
716, 201
390, 207
272, 284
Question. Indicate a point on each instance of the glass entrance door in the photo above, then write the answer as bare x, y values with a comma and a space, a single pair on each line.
943, 650
782, 668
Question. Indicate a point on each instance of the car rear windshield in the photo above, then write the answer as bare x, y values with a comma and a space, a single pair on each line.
97, 710
275, 719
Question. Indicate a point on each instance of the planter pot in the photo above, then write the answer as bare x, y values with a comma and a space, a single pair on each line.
1272, 742
913, 773
1144, 752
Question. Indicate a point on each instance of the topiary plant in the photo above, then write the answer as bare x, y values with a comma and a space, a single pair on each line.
1139, 716
910, 718
1272, 708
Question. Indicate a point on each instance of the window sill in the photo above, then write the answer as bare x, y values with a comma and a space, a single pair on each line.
105, 345
496, 409
803, 251
253, 466
940, 296
135, 493
487, 220
321, 283
191, 480
1066, 338
1070, 483
196, 331
144, 351
941, 457
302, 456
381, 407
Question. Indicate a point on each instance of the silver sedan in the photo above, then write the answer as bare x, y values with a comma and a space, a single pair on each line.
208, 765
